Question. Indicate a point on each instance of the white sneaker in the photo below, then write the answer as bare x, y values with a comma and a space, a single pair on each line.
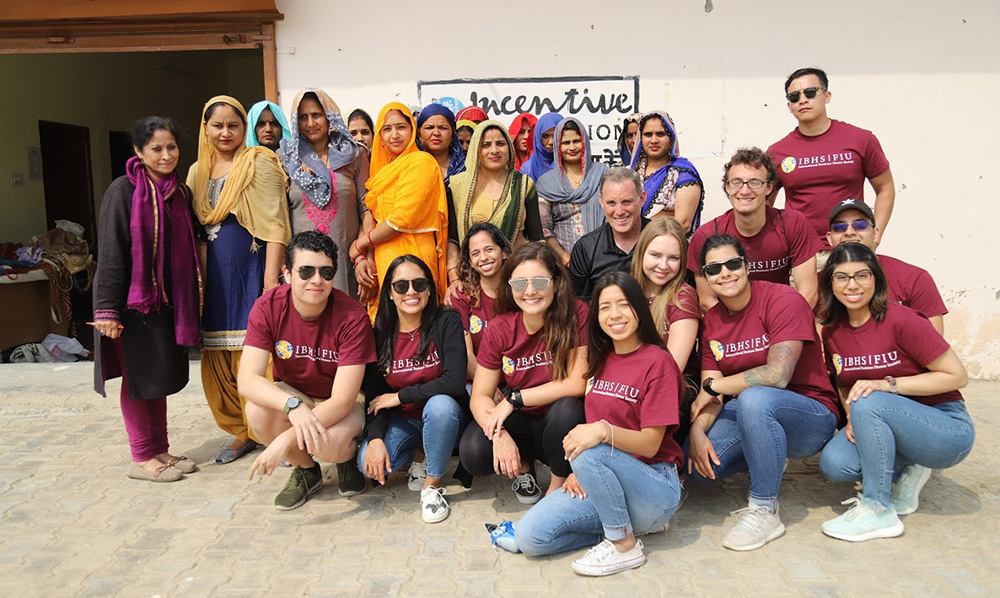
604, 559
416, 476
756, 527
433, 507
905, 495
864, 520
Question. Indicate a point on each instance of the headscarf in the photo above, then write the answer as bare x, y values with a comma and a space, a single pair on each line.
254, 115
509, 213
473, 113
554, 185
515, 128
541, 159
623, 151
664, 182
457, 161
147, 228
304, 165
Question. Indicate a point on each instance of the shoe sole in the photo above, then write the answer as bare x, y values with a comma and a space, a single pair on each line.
528, 500
435, 518
592, 571
916, 495
153, 478
885, 532
777, 533
309, 492
350, 492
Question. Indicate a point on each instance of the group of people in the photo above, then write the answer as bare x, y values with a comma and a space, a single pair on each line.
382, 295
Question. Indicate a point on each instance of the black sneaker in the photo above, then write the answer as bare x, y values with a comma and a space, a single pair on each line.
350, 480
301, 484
526, 488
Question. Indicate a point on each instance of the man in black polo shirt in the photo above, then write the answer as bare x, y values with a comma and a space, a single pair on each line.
609, 248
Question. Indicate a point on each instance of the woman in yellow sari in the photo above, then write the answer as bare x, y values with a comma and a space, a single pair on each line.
408, 208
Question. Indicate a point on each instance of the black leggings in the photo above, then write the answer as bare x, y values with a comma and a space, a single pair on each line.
536, 438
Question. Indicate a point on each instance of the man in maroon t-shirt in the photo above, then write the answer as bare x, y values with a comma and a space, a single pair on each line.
822, 161
778, 243
853, 221
319, 340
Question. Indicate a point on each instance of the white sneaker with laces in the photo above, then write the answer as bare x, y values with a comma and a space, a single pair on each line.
526, 488
866, 519
433, 507
416, 475
756, 527
905, 495
604, 559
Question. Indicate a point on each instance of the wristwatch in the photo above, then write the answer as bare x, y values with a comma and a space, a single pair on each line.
292, 403
707, 387
892, 385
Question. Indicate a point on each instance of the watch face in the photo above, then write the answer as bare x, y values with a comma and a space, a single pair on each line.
292, 403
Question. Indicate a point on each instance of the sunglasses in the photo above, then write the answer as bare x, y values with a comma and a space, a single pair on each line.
307, 272
715, 268
841, 227
520, 285
809, 91
419, 285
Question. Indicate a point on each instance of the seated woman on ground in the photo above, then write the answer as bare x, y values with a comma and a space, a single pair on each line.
533, 353
631, 405
417, 396
898, 382
759, 347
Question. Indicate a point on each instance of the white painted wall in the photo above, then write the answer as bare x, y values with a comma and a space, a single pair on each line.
923, 75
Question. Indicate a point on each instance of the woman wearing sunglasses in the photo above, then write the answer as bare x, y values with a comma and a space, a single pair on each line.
898, 382
418, 393
484, 251
759, 347
625, 459
532, 360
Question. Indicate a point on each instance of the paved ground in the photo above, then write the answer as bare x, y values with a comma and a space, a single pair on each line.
72, 524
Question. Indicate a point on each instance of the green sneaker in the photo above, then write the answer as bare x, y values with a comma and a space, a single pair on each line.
865, 520
905, 495
301, 484
350, 480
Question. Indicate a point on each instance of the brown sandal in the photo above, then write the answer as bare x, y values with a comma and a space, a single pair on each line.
164, 473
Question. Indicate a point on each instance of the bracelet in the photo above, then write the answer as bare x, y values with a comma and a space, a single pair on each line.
513, 396
370, 242
355, 246
892, 385
360, 259
609, 435
707, 387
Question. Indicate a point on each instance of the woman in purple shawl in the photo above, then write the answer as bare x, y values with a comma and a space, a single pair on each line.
543, 138
147, 295
673, 186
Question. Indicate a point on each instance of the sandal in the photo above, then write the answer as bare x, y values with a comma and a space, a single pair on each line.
228, 455
164, 473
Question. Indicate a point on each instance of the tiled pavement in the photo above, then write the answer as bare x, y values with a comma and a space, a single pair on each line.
72, 524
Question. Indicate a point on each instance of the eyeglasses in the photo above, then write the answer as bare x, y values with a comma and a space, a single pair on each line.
419, 285
841, 227
809, 91
520, 285
307, 272
737, 184
715, 268
862, 277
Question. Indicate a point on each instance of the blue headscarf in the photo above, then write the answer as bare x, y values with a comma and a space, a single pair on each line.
554, 185
457, 162
254, 114
541, 160
662, 185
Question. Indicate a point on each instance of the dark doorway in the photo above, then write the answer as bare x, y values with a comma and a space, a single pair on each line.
121, 151
66, 173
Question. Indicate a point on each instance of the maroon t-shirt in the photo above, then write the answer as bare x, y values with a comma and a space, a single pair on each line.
405, 370
636, 391
687, 309
307, 353
786, 241
733, 343
912, 287
474, 319
902, 344
522, 358
821, 171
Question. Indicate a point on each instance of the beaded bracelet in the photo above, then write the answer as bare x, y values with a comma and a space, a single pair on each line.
609, 435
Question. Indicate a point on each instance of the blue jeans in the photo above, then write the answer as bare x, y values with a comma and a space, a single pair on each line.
623, 495
892, 432
437, 430
761, 428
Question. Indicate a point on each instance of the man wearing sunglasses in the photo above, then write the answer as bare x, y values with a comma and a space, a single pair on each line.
823, 160
780, 244
609, 247
853, 221
319, 340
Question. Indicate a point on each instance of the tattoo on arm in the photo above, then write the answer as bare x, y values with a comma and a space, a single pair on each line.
781, 361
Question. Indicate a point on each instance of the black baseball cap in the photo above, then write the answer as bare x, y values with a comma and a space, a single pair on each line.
852, 204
